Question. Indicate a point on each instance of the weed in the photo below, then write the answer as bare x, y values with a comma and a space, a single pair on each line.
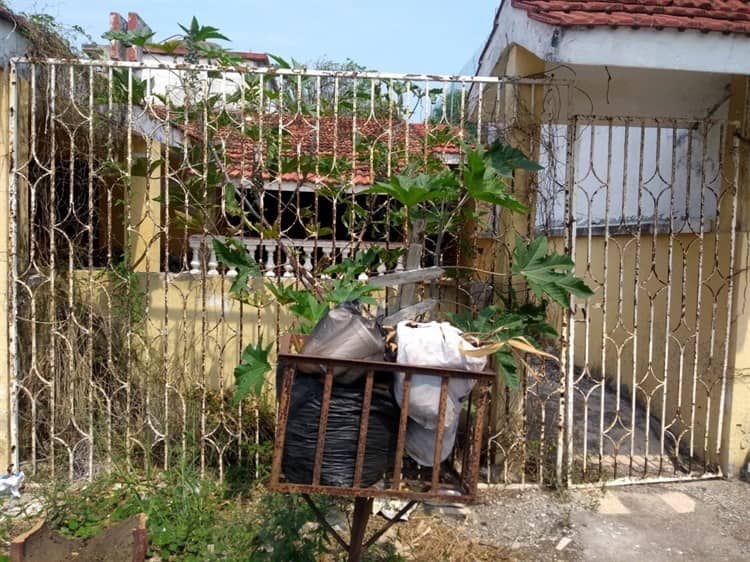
277, 536
190, 518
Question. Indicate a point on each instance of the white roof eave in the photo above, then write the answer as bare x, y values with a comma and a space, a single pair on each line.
667, 49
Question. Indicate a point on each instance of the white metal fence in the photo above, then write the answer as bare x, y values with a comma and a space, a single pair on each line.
123, 337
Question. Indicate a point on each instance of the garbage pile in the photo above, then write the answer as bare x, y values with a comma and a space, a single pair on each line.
347, 333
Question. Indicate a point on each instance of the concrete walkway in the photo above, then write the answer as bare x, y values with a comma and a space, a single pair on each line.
663, 524
693, 521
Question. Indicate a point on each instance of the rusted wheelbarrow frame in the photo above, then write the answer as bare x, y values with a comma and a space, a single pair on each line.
465, 470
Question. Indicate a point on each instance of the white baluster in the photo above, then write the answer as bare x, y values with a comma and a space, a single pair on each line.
328, 258
382, 268
213, 263
400, 263
270, 263
195, 258
362, 277
288, 264
230, 271
250, 247
307, 260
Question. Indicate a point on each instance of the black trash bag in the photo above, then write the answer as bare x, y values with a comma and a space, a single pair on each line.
342, 434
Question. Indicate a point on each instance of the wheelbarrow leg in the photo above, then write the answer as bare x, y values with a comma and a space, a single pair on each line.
362, 509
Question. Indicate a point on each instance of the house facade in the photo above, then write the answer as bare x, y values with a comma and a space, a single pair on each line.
646, 176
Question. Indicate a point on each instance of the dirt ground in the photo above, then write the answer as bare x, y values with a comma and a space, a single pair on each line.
114, 544
691, 521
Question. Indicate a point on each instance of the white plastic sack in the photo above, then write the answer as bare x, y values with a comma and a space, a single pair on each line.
12, 483
420, 442
434, 344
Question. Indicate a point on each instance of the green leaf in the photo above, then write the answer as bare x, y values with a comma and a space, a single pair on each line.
230, 201
411, 191
280, 62
507, 367
546, 273
234, 255
310, 309
139, 38
169, 47
505, 158
362, 262
142, 167
483, 182
284, 293
250, 374
348, 289
302, 303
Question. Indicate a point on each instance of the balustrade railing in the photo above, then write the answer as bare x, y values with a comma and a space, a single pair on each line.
312, 255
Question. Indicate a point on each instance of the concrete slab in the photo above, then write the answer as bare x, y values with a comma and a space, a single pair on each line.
692, 521
656, 527
681, 503
611, 505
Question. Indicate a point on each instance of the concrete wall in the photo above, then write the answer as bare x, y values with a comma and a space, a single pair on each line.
12, 44
204, 330
651, 142
165, 82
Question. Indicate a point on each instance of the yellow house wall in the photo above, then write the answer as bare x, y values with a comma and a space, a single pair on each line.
194, 331
736, 428
201, 331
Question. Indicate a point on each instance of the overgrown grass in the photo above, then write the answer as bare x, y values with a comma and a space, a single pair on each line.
191, 519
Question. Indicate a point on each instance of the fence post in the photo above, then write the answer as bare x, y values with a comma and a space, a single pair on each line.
734, 428
521, 112
5, 365
145, 224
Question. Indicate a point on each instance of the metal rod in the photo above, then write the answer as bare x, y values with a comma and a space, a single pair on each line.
439, 433
390, 523
402, 425
294, 72
363, 424
323, 521
362, 509
323, 426
281, 419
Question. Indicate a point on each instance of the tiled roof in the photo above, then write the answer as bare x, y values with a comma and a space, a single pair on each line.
322, 138
260, 58
725, 16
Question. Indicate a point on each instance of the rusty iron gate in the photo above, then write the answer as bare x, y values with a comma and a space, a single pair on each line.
123, 336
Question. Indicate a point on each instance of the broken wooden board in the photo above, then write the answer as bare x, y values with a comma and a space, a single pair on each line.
406, 277
410, 312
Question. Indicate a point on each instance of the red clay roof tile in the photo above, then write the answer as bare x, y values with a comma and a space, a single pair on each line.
260, 58
724, 16
324, 138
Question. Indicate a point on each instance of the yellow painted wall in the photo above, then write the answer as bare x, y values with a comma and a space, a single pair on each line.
194, 331
203, 328
736, 429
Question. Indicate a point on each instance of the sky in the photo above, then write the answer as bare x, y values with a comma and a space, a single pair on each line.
409, 36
